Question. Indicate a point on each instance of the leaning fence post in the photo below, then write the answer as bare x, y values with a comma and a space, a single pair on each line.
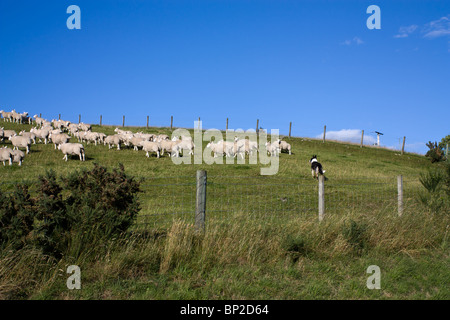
200, 205
400, 194
321, 197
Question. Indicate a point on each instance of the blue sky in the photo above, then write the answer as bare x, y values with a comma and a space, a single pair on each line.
314, 63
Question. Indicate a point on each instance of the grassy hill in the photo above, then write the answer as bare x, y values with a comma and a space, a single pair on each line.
258, 243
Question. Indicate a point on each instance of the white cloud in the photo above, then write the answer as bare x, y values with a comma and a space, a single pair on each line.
437, 28
355, 40
348, 135
404, 32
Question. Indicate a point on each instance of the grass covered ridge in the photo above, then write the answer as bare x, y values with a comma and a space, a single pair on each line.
239, 257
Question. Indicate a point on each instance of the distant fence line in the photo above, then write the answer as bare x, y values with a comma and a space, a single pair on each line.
226, 128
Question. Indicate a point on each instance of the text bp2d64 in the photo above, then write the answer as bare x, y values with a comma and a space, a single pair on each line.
245, 309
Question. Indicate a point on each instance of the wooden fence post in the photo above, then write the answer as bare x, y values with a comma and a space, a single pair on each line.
123, 121
100, 120
290, 127
171, 122
321, 197
40, 115
400, 194
227, 126
324, 132
198, 125
257, 125
147, 122
59, 116
79, 118
403, 146
200, 205
362, 138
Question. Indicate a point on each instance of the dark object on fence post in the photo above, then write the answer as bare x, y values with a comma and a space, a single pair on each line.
198, 125
400, 195
290, 127
321, 197
79, 118
171, 122
257, 125
200, 204
324, 131
227, 125
362, 138
403, 146
147, 122
100, 120
123, 121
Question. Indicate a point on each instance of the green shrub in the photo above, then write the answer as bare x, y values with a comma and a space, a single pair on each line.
73, 213
434, 182
16, 217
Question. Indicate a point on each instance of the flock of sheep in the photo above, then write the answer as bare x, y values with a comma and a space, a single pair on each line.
59, 132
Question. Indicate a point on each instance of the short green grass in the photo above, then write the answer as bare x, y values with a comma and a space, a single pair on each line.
262, 239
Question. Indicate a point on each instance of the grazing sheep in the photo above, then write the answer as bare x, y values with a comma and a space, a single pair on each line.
84, 126
222, 147
150, 146
7, 116
59, 138
8, 133
183, 145
167, 145
112, 141
6, 154
39, 121
41, 134
18, 156
90, 136
30, 135
72, 149
19, 141
273, 148
135, 141
284, 146
246, 146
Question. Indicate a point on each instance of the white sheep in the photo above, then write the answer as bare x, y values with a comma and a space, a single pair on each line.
222, 147
273, 148
113, 140
8, 133
72, 149
6, 155
41, 134
150, 146
59, 138
22, 142
181, 145
18, 156
30, 135
284, 146
167, 145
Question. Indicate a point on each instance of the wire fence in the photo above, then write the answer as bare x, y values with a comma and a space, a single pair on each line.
266, 198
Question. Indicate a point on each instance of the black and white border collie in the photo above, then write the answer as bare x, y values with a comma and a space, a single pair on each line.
316, 167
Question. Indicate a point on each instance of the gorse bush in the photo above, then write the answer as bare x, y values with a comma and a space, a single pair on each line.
16, 217
436, 184
69, 214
